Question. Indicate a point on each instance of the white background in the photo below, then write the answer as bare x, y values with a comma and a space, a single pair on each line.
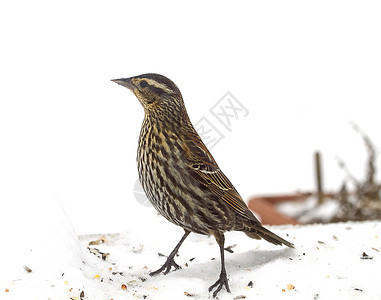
303, 69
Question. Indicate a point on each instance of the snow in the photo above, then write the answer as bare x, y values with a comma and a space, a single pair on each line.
68, 142
328, 262
309, 210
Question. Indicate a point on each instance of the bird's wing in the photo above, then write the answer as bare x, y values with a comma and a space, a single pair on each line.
206, 171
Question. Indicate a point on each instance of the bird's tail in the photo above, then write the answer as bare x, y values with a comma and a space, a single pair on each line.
258, 232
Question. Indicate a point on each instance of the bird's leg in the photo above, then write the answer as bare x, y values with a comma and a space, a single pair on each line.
171, 258
223, 280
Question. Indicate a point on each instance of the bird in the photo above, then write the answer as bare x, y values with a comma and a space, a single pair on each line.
180, 176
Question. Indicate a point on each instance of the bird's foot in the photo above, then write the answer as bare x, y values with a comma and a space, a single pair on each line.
222, 281
166, 267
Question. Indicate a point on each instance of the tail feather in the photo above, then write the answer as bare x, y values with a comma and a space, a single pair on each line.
259, 232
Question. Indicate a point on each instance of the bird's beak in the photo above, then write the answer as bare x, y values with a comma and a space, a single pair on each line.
126, 82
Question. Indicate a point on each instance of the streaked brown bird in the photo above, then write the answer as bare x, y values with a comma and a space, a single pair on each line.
181, 178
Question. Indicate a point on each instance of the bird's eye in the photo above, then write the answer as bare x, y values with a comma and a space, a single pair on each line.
143, 83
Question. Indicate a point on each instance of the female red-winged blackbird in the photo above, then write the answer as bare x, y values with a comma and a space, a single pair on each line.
180, 176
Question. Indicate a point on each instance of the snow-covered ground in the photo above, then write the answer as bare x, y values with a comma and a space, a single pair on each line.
68, 135
49, 261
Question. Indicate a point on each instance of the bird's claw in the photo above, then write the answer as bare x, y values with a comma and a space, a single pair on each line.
222, 281
166, 267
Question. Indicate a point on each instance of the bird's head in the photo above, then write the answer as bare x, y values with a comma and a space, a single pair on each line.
159, 96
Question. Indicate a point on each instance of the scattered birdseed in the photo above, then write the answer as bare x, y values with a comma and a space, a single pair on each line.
290, 287
26, 268
98, 253
101, 240
189, 294
250, 284
123, 287
117, 273
82, 295
240, 297
366, 256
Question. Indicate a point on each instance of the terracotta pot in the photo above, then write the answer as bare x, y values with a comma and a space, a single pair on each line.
265, 207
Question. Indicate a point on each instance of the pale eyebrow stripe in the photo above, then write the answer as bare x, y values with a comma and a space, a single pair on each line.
159, 85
